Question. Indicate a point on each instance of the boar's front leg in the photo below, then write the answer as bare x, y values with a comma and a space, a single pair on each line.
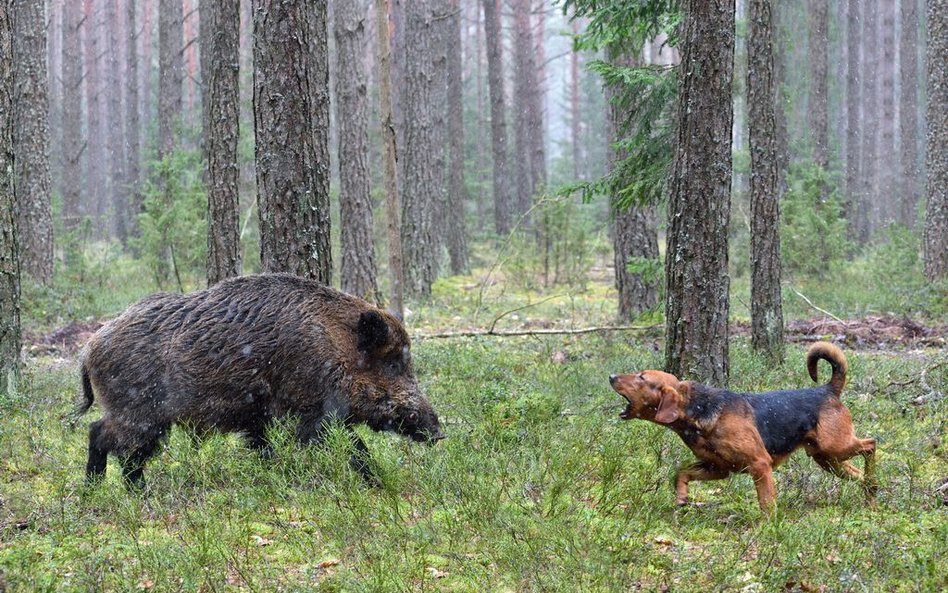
314, 432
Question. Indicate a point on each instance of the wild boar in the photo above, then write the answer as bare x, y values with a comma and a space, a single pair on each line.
240, 354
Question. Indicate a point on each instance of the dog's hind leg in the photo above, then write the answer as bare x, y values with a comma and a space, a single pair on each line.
700, 471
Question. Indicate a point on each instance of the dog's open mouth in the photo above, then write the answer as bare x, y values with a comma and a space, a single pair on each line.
628, 413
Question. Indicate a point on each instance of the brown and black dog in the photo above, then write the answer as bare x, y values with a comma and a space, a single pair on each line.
753, 432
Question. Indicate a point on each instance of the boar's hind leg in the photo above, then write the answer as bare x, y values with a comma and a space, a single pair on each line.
98, 452
315, 431
133, 459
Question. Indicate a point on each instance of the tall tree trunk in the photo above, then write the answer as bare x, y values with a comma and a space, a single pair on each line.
191, 32
908, 113
423, 163
634, 233
291, 119
95, 153
481, 119
854, 185
170, 74
9, 252
818, 104
936, 212
148, 53
498, 114
524, 83
132, 119
887, 205
574, 104
537, 129
220, 74
73, 146
116, 130
870, 119
54, 60
766, 305
457, 190
358, 273
387, 124
31, 139
696, 300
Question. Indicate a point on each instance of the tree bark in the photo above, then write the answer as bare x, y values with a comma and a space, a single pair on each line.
908, 113
818, 107
936, 212
132, 119
424, 157
387, 124
9, 260
457, 190
854, 185
358, 272
220, 101
870, 118
498, 114
696, 300
95, 154
766, 304
31, 139
170, 74
118, 187
887, 205
291, 119
524, 83
73, 145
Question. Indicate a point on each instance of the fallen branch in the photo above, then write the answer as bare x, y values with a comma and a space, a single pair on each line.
809, 302
534, 332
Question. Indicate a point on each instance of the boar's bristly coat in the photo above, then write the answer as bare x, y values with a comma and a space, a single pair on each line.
240, 354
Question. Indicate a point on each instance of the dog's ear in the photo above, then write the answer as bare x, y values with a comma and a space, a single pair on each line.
669, 408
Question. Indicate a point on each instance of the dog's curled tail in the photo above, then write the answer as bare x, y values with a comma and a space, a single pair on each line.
833, 355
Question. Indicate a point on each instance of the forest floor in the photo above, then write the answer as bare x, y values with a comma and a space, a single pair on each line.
538, 487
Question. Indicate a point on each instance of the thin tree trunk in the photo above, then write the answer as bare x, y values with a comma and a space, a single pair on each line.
854, 185
936, 213
908, 114
95, 154
9, 260
387, 124
524, 83
870, 122
536, 128
574, 104
132, 120
54, 60
423, 162
358, 273
818, 104
291, 119
887, 206
31, 139
498, 123
457, 190
220, 74
148, 67
191, 33
73, 145
170, 74
696, 300
766, 305
116, 130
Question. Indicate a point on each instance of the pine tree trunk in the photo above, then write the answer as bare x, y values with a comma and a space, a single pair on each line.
498, 114
574, 105
148, 52
766, 305
818, 104
536, 128
869, 126
936, 213
95, 153
118, 186
422, 156
220, 73
54, 60
387, 124
132, 120
696, 300
457, 190
291, 119
73, 146
854, 185
908, 114
887, 206
31, 139
357, 271
170, 74
524, 82
9, 260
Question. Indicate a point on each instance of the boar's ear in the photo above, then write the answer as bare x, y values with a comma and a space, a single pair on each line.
372, 331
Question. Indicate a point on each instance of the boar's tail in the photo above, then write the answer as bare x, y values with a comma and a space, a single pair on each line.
87, 394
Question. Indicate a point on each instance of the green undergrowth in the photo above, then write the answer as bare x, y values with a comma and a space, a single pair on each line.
538, 487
